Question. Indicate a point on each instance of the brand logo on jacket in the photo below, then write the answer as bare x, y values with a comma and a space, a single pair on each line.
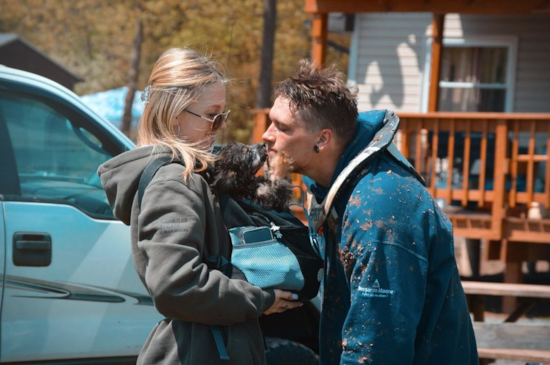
375, 291
174, 225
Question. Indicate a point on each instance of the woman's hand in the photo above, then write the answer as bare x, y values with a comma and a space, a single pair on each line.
283, 300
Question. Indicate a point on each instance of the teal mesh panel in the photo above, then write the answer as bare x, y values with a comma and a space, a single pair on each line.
267, 264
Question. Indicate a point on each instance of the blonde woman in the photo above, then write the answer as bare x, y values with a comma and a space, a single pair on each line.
179, 223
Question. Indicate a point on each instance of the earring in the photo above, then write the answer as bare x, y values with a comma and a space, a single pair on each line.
178, 129
316, 149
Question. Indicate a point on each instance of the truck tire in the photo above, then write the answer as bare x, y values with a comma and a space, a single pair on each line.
288, 352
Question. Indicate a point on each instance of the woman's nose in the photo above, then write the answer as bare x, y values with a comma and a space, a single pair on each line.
223, 126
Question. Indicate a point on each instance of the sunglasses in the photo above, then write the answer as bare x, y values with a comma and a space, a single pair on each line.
217, 121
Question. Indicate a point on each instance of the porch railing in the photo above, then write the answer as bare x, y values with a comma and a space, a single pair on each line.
487, 169
480, 163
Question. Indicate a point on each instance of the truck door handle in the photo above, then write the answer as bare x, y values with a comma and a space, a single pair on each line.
32, 249
33, 245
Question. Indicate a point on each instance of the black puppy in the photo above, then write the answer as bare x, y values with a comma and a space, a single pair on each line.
235, 175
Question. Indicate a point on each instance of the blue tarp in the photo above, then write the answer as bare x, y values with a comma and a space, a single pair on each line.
110, 105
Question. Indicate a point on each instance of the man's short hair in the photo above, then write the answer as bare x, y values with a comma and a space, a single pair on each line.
322, 99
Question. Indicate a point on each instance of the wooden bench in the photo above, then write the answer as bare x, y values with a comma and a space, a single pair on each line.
513, 341
509, 340
528, 292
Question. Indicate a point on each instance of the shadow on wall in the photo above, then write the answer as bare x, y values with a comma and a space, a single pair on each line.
391, 56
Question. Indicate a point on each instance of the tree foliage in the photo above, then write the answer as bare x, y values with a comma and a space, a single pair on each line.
93, 38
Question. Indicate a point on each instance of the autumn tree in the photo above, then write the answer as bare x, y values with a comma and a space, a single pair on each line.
126, 124
94, 39
266, 59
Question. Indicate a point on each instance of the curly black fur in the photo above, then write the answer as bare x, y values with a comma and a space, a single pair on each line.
235, 174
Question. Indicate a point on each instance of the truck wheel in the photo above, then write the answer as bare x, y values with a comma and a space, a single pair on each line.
288, 352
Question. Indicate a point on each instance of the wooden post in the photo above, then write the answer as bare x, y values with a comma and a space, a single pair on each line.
497, 212
405, 141
438, 22
531, 163
319, 31
514, 255
514, 165
473, 250
435, 146
466, 168
547, 183
482, 168
451, 159
261, 123
418, 147
477, 307
265, 87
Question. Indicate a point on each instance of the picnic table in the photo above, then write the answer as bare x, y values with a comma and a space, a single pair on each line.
509, 340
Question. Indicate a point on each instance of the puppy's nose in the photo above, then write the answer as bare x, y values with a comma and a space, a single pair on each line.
259, 146
260, 149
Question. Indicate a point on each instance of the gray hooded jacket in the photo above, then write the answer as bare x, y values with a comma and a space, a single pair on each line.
179, 225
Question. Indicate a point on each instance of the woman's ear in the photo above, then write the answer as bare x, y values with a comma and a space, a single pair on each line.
325, 139
176, 124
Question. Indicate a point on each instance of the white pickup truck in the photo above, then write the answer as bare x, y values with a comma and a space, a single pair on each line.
68, 289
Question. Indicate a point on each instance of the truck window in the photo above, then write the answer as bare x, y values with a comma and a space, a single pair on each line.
56, 158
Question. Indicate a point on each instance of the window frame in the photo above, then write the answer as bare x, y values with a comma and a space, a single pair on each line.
511, 43
79, 120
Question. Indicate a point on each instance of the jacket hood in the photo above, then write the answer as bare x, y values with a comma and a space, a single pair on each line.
368, 123
120, 178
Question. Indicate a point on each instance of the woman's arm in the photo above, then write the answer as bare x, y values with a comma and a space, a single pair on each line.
172, 226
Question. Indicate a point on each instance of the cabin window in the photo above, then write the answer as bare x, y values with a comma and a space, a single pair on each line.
473, 79
477, 75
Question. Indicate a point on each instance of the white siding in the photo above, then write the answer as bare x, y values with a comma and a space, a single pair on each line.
389, 55
387, 60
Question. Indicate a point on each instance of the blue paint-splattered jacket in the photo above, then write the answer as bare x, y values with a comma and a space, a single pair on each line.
392, 293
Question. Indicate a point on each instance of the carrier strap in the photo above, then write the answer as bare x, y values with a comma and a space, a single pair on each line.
145, 179
149, 172
218, 338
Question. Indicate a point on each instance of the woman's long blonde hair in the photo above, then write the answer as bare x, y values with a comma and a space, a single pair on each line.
177, 80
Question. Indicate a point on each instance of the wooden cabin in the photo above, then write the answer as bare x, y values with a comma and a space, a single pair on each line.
470, 81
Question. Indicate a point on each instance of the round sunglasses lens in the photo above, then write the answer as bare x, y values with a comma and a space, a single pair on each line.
218, 121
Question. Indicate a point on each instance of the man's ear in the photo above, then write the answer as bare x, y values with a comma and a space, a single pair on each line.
325, 139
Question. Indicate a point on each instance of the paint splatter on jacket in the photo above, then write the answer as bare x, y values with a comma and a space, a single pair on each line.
392, 293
